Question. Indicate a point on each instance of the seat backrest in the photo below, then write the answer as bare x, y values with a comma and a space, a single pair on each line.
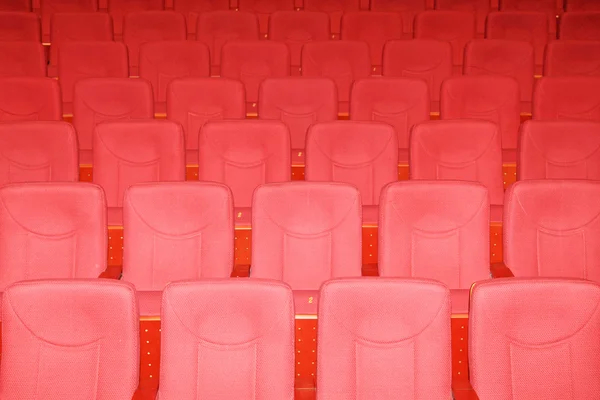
393, 346
360, 153
52, 230
569, 97
406, 8
299, 103
551, 230
19, 26
264, 9
515, 324
51, 7
550, 8
63, 340
119, 9
464, 150
30, 99
193, 8
22, 59
38, 151
481, 8
244, 155
572, 57
582, 5
305, 233
222, 99
581, 25
98, 100
227, 339
335, 8
449, 216
177, 231
130, 152
16, 5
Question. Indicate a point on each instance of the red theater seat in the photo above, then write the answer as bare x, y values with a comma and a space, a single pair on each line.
534, 339
51, 7
38, 151
580, 26
335, 9
299, 103
162, 62
192, 9
559, 150
119, 9
375, 341
582, 5
29, 99
449, 216
22, 59
107, 99
63, 339
229, 339
19, 26
306, 233
551, 229
406, 8
574, 97
15, 5
480, 8
428, 60
264, 9
569, 58
221, 99
550, 8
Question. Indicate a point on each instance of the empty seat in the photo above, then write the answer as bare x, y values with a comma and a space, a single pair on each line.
428, 60
406, 8
19, 26
264, 9
517, 324
80, 60
374, 28
51, 230
252, 62
464, 150
572, 57
244, 155
219, 27
391, 345
582, 5
550, 8
131, 152
118, 9
306, 233
161, 62
559, 150
107, 99
481, 8
551, 229
22, 59
29, 99
63, 339
227, 339
191, 9
400, 102
335, 9
15, 5
296, 29
77, 27
580, 26
51, 7
570, 97
343, 61
510, 58
221, 99
150, 26
455, 27
38, 151
298, 102
489, 98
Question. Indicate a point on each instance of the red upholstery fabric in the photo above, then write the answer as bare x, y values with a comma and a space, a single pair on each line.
550, 8
568, 58
407, 9
551, 229
19, 26
29, 99
343, 61
574, 97
229, 339
335, 9
488, 98
15, 5
193, 8
298, 102
161, 62
51, 230
534, 339
298, 28
264, 9
131, 152
150, 26
580, 26
456, 27
481, 8
435, 230
120, 8
38, 151
400, 102
22, 59
384, 339
559, 150
63, 340
374, 28
98, 100
177, 231
582, 5
428, 60
219, 27
222, 99
51, 7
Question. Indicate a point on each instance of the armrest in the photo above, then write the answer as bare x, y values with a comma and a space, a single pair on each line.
500, 270
462, 390
112, 272
145, 394
370, 270
305, 394
241, 271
